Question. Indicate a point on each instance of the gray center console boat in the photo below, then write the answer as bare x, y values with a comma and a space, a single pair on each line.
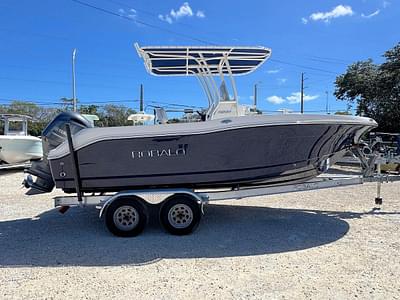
231, 148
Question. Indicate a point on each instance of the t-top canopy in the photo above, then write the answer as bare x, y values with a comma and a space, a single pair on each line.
200, 60
15, 117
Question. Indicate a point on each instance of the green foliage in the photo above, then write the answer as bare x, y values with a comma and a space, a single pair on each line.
89, 109
109, 115
375, 88
343, 113
174, 120
41, 115
114, 115
67, 103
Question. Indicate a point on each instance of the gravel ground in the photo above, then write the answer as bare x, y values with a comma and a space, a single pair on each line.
319, 244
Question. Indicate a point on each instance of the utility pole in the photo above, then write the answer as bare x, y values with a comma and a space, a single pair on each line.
73, 80
141, 98
255, 95
327, 103
302, 93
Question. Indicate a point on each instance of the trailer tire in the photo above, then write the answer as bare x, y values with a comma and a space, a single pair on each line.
126, 216
180, 214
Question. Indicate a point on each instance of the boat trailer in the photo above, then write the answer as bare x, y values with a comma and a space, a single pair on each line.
7, 167
180, 209
126, 212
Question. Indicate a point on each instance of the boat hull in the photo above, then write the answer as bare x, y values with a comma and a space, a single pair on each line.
262, 154
18, 149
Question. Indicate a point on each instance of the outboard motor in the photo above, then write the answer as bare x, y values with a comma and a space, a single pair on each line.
52, 136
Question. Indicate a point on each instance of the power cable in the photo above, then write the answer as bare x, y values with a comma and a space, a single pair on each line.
103, 10
157, 15
301, 66
67, 71
64, 83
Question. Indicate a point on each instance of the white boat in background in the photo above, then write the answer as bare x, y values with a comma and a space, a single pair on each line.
16, 146
91, 118
141, 118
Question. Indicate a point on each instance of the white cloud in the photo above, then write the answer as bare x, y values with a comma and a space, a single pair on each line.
281, 80
184, 11
165, 18
385, 4
338, 11
130, 13
275, 99
304, 21
375, 13
296, 97
273, 71
200, 14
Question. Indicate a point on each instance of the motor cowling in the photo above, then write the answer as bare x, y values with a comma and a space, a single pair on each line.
52, 136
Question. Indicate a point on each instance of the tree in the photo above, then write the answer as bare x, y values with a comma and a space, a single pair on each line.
109, 115
115, 115
41, 115
89, 110
375, 88
343, 113
67, 103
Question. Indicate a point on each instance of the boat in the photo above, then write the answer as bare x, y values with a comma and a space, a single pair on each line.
140, 118
91, 118
228, 149
16, 146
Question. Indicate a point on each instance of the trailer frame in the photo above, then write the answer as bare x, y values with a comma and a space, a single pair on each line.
125, 212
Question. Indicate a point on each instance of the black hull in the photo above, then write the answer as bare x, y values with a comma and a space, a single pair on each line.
271, 155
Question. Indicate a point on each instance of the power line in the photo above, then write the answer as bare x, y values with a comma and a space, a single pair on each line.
63, 83
103, 10
33, 33
173, 104
327, 62
302, 66
64, 71
157, 16
332, 59
40, 101
57, 101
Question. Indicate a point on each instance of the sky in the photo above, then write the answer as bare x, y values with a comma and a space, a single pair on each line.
319, 38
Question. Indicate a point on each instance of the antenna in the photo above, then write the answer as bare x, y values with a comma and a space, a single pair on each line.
302, 93
255, 96
327, 103
141, 98
73, 80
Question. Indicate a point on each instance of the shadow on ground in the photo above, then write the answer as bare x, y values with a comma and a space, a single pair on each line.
79, 238
10, 171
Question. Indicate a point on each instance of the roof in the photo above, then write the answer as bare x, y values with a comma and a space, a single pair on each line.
15, 117
200, 60
140, 117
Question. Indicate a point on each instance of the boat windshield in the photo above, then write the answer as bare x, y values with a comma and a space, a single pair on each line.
15, 124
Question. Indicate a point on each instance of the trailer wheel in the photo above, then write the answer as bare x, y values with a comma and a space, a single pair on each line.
126, 217
180, 214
